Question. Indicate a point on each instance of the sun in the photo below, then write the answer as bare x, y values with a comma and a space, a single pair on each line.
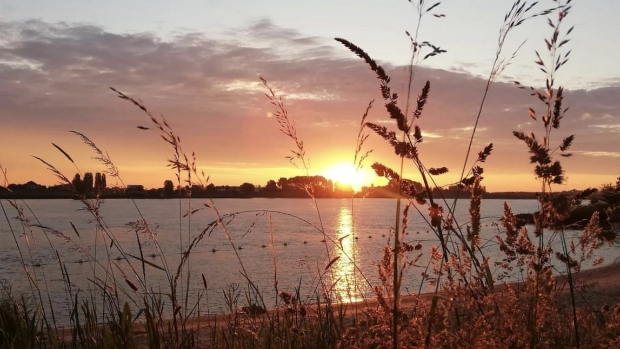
345, 174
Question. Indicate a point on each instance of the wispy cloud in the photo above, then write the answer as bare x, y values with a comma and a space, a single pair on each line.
610, 154
610, 128
431, 135
55, 77
468, 129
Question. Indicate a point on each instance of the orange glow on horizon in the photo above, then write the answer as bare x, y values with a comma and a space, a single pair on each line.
346, 174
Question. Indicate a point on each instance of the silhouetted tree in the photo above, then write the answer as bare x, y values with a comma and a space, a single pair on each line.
271, 186
88, 182
168, 188
282, 183
97, 182
317, 186
310, 182
210, 188
198, 191
104, 182
77, 183
100, 182
247, 189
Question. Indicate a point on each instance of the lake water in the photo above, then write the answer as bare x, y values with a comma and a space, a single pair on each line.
294, 225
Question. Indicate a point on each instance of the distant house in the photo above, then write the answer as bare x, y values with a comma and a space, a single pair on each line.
135, 190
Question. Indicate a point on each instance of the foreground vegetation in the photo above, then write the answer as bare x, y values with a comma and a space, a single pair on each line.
468, 308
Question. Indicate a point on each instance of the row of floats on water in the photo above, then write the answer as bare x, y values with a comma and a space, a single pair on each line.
213, 250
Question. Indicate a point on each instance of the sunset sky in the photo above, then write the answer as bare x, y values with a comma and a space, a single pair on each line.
198, 62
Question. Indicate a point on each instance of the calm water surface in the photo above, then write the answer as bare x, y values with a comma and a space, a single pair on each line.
362, 227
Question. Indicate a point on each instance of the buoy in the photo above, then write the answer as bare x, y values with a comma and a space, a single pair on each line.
305, 242
213, 250
263, 246
285, 244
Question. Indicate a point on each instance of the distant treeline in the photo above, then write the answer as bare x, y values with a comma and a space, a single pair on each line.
91, 185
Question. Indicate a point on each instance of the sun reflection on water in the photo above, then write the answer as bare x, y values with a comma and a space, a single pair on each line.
349, 285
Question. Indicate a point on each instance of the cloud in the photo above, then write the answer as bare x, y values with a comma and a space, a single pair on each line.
55, 77
610, 154
608, 128
265, 29
431, 135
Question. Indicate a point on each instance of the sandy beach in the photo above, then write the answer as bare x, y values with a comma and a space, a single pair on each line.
595, 288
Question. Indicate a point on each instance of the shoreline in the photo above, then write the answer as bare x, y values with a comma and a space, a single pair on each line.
600, 286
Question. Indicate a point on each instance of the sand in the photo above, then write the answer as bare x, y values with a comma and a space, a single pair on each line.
595, 288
